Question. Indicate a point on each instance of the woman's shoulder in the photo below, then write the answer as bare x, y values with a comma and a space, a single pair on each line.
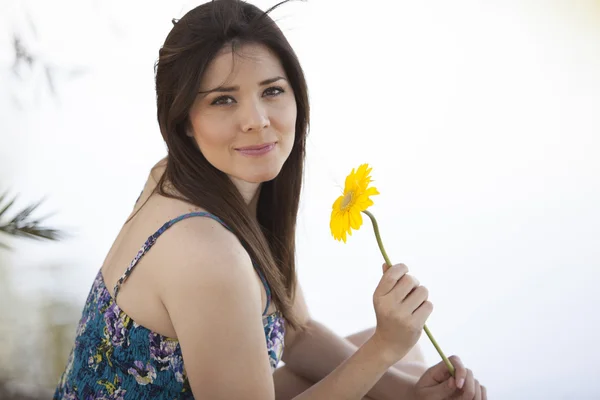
190, 241
202, 261
193, 234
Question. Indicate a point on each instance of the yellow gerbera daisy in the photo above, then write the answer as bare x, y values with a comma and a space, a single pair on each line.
346, 210
346, 215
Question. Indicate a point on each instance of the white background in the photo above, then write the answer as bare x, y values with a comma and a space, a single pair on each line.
482, 123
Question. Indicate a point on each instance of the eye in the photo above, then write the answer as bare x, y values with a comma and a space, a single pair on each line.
273, 91
222, 101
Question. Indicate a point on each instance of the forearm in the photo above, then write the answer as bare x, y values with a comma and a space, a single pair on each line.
318, 351
353, 378
413, 363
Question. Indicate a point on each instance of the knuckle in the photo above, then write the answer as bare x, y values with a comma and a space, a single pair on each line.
428, 306
400, 270
407, 282
416, 282
388, 279
455, 360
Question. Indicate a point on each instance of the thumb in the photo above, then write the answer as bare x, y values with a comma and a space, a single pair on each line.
437, 374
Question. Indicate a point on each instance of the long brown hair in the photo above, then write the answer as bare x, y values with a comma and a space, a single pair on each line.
189, 48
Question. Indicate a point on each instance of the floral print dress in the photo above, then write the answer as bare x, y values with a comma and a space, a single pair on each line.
115, 358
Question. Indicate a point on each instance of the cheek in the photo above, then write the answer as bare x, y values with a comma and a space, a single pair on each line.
287, 120
212, 134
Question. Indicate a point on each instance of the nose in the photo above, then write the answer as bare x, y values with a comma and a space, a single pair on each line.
254, 117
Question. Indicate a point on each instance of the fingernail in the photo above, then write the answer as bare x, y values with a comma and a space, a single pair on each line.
460, 383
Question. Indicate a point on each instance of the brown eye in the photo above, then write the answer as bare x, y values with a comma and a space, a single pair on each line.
273, 91
222, 101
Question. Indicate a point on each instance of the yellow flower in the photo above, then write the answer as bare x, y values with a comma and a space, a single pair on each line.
345, 216
346, 210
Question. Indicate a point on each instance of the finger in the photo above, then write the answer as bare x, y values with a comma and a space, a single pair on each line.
385, 267
417, 297
405, 286
483, 393
422, 313
439, 373
460, 372
390, 278
442, 390
477, 390
469, 387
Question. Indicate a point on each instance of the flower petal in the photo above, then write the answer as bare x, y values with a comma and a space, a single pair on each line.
355, 218
346, 209
337, 203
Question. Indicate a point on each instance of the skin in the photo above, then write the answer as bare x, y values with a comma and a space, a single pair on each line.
243, 112
199, 271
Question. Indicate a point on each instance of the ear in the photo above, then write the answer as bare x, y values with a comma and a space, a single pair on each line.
188, 129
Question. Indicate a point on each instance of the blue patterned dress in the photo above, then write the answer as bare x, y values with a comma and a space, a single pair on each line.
115, 358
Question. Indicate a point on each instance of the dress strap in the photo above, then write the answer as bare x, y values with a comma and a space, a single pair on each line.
152, 239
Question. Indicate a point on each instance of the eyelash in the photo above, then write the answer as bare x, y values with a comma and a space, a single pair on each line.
218, 99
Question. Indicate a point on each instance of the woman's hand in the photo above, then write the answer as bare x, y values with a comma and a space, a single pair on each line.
401, 308
437, 384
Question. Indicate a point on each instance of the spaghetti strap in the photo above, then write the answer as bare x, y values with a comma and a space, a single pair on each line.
152, 239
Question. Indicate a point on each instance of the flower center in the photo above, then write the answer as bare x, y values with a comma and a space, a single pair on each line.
347, 200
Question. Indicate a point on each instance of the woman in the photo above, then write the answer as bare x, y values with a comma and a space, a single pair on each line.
214, 285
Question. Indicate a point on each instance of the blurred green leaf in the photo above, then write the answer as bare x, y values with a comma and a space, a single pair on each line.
23, 224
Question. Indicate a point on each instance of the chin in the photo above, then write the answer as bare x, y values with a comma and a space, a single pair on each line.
261, 178
259, 175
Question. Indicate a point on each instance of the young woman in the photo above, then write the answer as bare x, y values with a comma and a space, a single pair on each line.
208, 304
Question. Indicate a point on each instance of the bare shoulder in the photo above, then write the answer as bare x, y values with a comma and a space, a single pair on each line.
199, 250
209, 289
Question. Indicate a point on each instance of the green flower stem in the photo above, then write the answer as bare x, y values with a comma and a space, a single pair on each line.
388, 262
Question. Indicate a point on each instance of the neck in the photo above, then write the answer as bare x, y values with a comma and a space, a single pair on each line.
250, 192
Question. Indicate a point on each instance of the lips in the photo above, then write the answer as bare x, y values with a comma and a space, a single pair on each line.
257, 150
256, 147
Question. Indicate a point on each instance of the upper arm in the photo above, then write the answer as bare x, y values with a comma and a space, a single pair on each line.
214, 303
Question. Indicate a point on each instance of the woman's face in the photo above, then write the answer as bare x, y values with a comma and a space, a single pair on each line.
244, 117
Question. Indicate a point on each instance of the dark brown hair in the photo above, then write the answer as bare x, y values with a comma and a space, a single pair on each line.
189, 48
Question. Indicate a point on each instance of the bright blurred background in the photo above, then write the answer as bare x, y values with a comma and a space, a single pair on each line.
481, 120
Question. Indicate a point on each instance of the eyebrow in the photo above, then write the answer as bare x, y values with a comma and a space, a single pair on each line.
236, 88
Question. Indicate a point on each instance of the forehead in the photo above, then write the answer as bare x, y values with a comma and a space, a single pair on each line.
250, 62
